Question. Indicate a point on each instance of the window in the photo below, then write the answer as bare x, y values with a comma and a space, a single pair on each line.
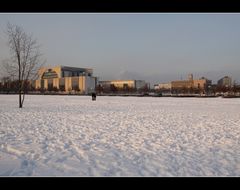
62, 84
50, 84
75, 74
67, 73
125, 86
42, 84
75, 84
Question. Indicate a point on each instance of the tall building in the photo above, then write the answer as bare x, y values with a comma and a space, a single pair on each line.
66, 79
225, 81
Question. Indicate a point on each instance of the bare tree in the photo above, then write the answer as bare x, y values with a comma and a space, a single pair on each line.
25, 58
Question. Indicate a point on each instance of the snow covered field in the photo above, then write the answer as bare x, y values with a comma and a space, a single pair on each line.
119, 136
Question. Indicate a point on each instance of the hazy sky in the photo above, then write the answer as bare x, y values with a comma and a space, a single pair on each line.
154, 47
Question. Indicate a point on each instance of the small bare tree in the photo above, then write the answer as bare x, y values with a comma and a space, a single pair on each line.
25, 58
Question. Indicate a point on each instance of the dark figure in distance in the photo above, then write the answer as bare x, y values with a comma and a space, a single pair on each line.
94, 96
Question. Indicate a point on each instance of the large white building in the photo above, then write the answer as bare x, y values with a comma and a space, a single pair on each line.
66, 79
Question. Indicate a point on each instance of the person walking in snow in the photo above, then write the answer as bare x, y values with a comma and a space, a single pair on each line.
94, 96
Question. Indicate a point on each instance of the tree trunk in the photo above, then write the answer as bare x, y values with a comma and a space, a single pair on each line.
20, 99
19, 87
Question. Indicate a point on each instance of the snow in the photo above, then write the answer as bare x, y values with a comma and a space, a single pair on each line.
119, 136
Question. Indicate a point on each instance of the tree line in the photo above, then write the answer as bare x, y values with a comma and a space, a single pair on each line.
211, 90
105, 89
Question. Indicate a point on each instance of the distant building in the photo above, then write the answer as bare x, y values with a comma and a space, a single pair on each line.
181, 84
135, 84
66, 79
163, 86
156, 87
225, 81
201, 84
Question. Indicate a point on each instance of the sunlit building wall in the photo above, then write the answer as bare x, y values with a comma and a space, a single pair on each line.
201, 84
66, 79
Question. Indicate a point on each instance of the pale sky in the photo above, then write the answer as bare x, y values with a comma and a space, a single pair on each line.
153, 47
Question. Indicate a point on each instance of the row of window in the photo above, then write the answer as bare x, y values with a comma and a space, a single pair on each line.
75, 83
52, 74
74, 73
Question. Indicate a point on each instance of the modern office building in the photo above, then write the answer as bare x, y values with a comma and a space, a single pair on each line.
225, 81
66, 79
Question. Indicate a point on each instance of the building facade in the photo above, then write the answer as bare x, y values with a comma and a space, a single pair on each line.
181, 84
66, 79
163, 86
225, 81
135, 84
201, 84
